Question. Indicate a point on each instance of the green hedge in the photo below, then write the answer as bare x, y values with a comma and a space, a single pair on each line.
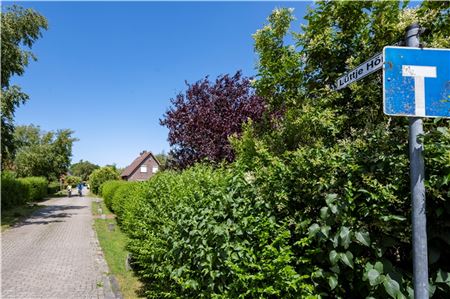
307, 224
14, 192
108, 189
204, 233
38, 187
121, 195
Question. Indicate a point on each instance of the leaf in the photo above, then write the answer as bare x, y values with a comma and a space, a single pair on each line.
347, 258
313, 229
363, 237
324, 213
373, 275
325, 230
334, 257
379, 267
345, 236
332, 281
392, 287
443, 277
330, 198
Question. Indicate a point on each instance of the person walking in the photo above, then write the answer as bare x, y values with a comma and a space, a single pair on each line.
80, 189
69, 190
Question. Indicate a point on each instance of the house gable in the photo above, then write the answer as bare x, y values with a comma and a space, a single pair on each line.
142, 168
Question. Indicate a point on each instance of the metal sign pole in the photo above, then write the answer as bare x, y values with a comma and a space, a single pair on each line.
417, 173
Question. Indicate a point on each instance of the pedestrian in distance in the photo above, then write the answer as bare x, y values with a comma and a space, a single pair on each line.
69, 190
80, 189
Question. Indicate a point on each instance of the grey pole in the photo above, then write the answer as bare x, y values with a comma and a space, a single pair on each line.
417, 173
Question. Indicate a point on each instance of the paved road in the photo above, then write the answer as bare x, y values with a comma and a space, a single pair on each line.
55, 254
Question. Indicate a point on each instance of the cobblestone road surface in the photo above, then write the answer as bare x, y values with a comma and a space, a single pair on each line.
55, 254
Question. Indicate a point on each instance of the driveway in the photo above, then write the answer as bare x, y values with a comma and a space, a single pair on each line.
55, 254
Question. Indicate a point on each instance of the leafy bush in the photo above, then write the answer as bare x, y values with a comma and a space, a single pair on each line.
73, 180
108, 189
204, 233
14, 191
101, 175
53, 187
121, 195
37, 187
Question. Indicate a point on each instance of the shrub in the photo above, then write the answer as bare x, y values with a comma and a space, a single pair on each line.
108, 189
37, 186
53, 187
204, 233
101, 175
73, 180
14, 191
121, 195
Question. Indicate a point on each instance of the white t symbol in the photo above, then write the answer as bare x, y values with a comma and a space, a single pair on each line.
419, 73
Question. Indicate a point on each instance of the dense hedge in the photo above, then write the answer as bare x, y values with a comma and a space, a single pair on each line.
38, 187
206, 233
309, 223
108, 189
14, 192
19, 191
121, 195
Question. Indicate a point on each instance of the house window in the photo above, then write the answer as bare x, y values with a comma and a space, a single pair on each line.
155, 169
144, 168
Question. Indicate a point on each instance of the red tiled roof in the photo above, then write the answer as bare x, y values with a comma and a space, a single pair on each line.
136, 163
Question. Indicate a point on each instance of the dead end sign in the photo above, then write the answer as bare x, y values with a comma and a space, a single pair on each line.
416, 82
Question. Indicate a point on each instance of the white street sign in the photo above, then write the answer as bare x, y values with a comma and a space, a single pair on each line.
373, 64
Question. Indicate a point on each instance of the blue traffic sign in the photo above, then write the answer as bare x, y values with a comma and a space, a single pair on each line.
416, 82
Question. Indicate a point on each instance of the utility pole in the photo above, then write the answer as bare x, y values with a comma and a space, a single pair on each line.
417, 174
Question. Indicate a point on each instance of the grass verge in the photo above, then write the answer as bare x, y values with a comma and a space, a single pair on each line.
15, 214
113, 243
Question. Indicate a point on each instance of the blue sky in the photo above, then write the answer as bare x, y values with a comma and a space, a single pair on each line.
107, 70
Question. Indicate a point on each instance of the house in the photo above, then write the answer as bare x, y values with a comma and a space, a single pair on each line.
142, 168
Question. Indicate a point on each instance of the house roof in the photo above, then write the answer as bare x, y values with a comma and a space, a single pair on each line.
137, 162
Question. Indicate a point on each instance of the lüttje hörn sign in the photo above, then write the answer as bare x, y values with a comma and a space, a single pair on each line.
364, 69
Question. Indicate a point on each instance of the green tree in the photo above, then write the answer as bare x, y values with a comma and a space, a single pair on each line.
20, 29
162, 158
44, 154
83, 169
101, 175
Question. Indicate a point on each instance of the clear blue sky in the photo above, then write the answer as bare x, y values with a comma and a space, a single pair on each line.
107, 70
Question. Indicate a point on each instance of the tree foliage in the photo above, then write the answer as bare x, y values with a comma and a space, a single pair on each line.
335, 166
100, 176
44, 154
201, 120
83, 169
20, 29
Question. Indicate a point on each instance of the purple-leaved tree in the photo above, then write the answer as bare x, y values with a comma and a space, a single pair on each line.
201, 120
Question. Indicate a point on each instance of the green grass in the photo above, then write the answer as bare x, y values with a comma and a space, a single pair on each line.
113, 244
14, 215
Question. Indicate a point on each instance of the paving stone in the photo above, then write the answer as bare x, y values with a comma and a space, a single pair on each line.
55, 254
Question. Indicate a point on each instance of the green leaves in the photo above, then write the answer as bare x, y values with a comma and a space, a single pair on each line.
363, 237
332, 281
347, 258
392, 287
373, 276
